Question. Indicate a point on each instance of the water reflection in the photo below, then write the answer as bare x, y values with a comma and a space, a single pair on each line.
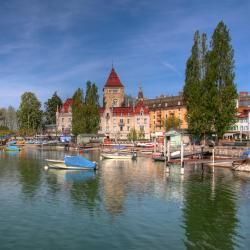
209, 213
85, 189
30, 175
121, 178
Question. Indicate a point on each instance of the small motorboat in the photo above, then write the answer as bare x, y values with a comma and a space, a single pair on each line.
161, 157
118, 156
226, 164
72, 163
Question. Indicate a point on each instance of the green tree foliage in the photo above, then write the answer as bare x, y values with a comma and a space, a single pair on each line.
91, 108
29, 114
141, 135
172, 122
78, 119
51, 107
85, 111
3, 127
209, 90
194, 87
132, 135
220, 81
8, 118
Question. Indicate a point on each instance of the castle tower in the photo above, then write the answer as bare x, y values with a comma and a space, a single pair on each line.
140, 97
113, 91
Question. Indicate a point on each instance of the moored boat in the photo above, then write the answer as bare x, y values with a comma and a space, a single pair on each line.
118, 156
12, 148
72, 163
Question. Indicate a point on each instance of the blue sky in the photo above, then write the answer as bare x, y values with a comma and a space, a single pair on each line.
58, 45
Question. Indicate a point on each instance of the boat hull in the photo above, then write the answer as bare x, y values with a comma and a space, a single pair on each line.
59, 164
113, 156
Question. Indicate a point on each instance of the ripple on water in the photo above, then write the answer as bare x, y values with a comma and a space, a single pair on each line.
124, 205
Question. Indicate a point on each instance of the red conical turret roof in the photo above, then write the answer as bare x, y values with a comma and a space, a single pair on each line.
113, 80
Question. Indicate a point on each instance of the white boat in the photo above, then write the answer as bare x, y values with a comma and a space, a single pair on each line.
117, 156
68, 163
61, 165
220, 164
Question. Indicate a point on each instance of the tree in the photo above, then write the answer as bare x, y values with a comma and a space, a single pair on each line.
91, 108
220, 81
141, 135
132, 135
78, 119
11, 118
29, 114
194, 88
210, 91
172, 122
8, 118
51, 107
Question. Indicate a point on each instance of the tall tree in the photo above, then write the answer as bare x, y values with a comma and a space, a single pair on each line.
172, 122
29, 114
91, 108
220, 80
132, 135
51, 107
194, 87
11, 118
78, 119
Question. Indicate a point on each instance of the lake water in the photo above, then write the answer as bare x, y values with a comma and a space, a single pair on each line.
124, 205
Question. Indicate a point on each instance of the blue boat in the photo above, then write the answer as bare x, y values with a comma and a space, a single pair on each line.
73, 163
246, 154
12, 148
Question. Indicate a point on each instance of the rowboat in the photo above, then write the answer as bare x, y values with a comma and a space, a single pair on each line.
71, 163
220, 164
118, 156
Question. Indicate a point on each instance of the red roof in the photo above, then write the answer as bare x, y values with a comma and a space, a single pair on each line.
67, 104
113, 80
126, 111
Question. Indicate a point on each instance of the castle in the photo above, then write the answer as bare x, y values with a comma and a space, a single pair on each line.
117, 120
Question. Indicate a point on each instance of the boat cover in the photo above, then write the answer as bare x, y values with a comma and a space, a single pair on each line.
245, 154
78, 161
12, 148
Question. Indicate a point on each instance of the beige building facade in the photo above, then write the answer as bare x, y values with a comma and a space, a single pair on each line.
164, 107
64, 118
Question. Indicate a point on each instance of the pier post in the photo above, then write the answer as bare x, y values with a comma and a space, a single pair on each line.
169, 155
164, 148
182, 158
213, 162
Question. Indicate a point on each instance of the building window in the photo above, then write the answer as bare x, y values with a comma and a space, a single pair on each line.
121, 128
128, 121
128, 128
142, 128
166, 104
145, 120
115, 103
62, 119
